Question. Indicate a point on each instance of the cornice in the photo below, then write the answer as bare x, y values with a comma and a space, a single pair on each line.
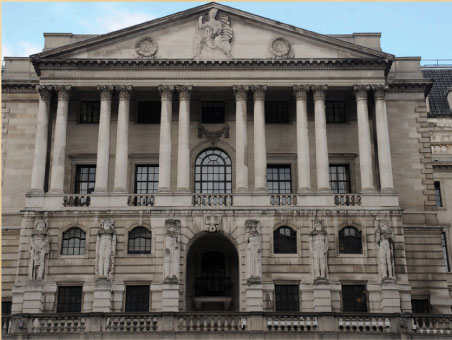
442, 167
410, 85
19, 87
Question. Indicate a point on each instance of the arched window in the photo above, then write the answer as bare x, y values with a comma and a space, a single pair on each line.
139, 241
350, 241
213, 172
74, 241
285, 241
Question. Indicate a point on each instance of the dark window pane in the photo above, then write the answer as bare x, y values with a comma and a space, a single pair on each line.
149, 112
137, 299
73, 242
69, 299
276, 112
287, 298
354, 298
445, 252
212, 169
89, 112
139, 241
340, 179
85, 179
146, 178
439, 201
279, 178
213, 112
6, 308
285, 241
350, 241
420, 306
335, 112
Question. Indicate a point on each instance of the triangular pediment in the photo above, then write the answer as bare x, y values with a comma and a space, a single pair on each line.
211, 32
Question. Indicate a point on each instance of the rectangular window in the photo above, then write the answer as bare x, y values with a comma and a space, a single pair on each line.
439, 201
213, 112
149, 112
146, 179
354, 298
89, 112
340, 179
286, 298
279, 179
6, 308
276, 112
85, 178
445, 253
420, 306
137, 299
335, 112
69, 299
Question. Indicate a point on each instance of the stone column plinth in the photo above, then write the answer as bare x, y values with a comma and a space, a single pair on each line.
322, 298
183, 147
241, 141
254, 298
102, 299
42, 128
390, 297
59, 141
103, 140
303, 161
33, 296
260, 149
166, 94
170, 297
364, 142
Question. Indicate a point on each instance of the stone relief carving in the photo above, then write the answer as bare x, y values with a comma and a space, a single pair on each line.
214, 32
384, 236
280, 48
105, 249
172, 252
212, 223
318, 241
213, 136
39, 249
253, 252
146, 48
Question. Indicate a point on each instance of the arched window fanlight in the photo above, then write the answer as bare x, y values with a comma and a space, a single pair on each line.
213, 172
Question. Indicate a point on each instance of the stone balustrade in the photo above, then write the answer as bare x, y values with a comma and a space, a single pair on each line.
57, 324
347, 200
131, 323
208, 200
212, 323
281, 200
429, 324
364, 324
281, 323
76, 200
141, 200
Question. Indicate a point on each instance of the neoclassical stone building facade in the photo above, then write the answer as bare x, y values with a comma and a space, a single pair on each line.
218, 171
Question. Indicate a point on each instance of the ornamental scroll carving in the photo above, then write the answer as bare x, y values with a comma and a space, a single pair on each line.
213, 136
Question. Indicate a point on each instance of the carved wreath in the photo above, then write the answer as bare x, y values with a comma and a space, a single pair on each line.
280, 48
146, 48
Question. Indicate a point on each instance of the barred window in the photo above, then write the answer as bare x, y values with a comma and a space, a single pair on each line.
149, 112
139, 241
287, 298
146, 179
276, 112
340, 179
354, 298
74, 241
285, 241
213, 172
439, 201
137, 299
279, 179
213, 112
89, 112
350, 241
85, 179
69, 299
335, 112
445, 252
420, 306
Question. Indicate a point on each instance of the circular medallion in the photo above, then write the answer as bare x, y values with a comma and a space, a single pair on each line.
146, 48
280, 47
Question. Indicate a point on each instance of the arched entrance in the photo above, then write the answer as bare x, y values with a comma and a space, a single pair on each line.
212, 274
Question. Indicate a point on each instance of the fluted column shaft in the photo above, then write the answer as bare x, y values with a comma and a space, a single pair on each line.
303, 161
241, 142
364, 142
59, 141
384, 147
321, 142
103, 140
122, 139
260, 149
42, 128
183, 147
166, 93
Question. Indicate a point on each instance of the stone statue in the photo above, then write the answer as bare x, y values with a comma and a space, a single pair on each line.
214, 33
253, 252
39, 249
105, 249
318, 238
384, 237
172, 251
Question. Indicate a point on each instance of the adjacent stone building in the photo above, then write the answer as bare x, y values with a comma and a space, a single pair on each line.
216, 174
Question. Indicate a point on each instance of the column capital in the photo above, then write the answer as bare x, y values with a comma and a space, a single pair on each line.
106, 91
124, 91
45, 91
300, 92
319, 91
258, 91
63, 92
240, 91
380, 91
166, 92
361, 91
184, 91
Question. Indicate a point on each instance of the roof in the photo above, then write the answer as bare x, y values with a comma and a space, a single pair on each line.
442, 80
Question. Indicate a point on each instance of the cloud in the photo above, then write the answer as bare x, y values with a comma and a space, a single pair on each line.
21, 48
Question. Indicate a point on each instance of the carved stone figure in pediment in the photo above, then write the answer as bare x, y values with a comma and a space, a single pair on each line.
318, 238
253, 252
172, 252
39, 249
105, 249
384, 237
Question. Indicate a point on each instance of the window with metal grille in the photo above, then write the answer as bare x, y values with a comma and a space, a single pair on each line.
420, 306
276, 112
74, 241
85, 179
340, 179
146, 179
350, 241
89, 112
287, 298
213, 172
335, 112
137, 299
445, 253
285, 241
279, 179
149, 112
354, 298
69, 299
213, 112
139, 241
439, 201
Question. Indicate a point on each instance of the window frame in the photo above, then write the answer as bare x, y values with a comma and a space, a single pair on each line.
347, 166
80, 115
297, 304
365, 294
67, 230
128, 241
201, 181
280, 166
438, 195
151, 102
423, 298
445, 248
345, 116
202, 121
59, 295
339, 239
294, 238
76, 176
135, 178
148, 300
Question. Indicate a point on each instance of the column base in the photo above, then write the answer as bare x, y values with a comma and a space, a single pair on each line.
387, 191
184, 190
304, 190
368, 190
56, 192
324, 190
35, 192
260, 190
120, 190
163, 189
241, 190
99, 191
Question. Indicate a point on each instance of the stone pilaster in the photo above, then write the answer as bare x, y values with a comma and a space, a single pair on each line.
303, 160
260, 149
241, 144
183, 147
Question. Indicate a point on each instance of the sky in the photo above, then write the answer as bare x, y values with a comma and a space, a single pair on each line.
408, 29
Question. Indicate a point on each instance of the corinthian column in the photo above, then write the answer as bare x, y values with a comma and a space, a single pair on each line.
321, 142
183, 151
260, 150
241, 143
122, 139
166, 93
303, 161
42, 128
384, 148
59, 141
365, 150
